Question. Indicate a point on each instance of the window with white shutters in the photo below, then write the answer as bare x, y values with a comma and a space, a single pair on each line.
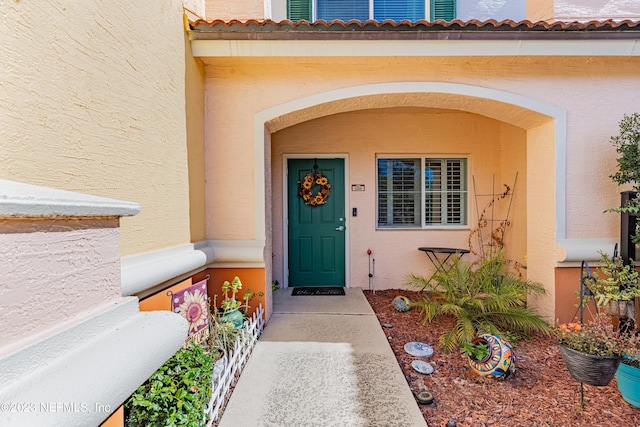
404, 185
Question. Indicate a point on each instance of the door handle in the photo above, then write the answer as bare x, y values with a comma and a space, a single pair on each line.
341, 228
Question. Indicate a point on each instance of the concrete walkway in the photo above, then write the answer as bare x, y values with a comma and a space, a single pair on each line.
322, 361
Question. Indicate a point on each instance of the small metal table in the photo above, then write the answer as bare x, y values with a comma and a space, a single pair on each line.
439, 257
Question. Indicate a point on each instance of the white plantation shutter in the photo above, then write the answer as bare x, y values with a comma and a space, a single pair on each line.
433, 191
444, 198
456, 191
399, 192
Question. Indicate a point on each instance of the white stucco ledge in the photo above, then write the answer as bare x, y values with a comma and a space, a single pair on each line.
18, 199
80, 375
144, 273
578, 250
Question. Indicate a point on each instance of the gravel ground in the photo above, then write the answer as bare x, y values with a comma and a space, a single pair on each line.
540, 393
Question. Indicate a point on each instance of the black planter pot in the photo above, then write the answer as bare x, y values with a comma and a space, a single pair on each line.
590, 369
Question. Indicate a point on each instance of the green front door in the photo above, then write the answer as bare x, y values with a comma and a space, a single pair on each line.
316, 233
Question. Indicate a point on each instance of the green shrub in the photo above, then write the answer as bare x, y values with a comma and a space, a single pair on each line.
176, 394
482, 298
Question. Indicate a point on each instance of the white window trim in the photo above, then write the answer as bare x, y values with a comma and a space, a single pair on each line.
422, 225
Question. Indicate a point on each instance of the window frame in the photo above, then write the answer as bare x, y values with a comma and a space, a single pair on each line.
464, 212
431, 8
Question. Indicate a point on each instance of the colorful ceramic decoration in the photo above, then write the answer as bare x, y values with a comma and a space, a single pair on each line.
422, 366
418, 349
501, 361
401, 303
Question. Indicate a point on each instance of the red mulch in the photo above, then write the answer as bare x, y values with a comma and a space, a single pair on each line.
540, 393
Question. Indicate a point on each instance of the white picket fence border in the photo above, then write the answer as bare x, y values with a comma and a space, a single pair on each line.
235, 362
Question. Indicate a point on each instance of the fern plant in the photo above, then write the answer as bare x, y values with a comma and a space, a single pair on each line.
482, 298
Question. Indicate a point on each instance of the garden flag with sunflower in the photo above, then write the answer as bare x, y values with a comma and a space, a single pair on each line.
192, 304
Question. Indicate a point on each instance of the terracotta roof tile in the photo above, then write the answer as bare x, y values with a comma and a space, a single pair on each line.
387, 29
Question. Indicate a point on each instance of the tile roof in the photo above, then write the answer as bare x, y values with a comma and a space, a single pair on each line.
421, 30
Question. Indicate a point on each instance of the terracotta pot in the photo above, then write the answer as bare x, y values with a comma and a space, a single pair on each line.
589, 369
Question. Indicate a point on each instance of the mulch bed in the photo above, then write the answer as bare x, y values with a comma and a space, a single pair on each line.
540, 393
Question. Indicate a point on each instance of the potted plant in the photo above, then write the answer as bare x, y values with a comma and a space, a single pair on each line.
234, 310
230, 304
593, 352
616, 290
490, 356
628, 377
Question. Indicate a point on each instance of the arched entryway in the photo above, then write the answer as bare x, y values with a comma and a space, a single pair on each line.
522, 129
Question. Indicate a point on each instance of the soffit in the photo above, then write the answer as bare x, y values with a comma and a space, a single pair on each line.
420, 30
268, 38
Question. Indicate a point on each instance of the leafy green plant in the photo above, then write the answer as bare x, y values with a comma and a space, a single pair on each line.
632, 361
176, 394
482, 298
230, 302
222, 334
620, 282
477, 351
248, 296
626, 144
275, 285
599, 338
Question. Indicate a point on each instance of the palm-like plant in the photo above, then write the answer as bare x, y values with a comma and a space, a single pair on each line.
482, 298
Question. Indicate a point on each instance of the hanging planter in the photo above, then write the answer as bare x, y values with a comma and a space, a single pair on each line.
588, 368
619, 308
499, 361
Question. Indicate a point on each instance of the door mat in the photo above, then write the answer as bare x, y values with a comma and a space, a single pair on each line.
318, 290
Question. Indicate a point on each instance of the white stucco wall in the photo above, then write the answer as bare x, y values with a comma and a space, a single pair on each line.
92, 99
587, 10
499, 10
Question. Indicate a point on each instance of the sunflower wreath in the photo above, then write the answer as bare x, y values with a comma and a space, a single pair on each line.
307, 193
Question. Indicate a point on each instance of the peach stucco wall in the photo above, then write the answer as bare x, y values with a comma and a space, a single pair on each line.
236, 9
363, 135
94, 101
589, 89
194, 104
72, 268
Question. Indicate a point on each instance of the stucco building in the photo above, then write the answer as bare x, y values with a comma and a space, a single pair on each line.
191, 123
